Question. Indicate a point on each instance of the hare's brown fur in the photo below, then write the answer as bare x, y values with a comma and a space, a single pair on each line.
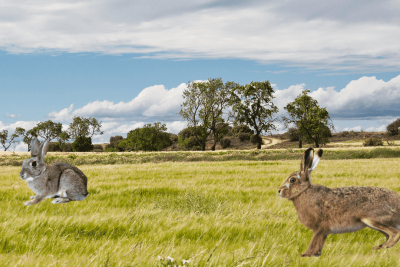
341, 210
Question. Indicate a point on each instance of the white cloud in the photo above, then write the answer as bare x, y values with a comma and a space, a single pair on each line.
63, 115
13, 116
342, 36
154, 101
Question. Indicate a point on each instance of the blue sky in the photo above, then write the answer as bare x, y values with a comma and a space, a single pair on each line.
127, 62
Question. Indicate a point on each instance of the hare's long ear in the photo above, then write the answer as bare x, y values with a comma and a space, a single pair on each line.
42, 151
306, 163
316, 159
34, 147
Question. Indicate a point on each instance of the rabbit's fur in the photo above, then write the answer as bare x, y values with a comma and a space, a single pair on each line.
340, 210
61, 180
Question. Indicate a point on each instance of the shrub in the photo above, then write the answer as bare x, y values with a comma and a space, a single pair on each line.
373, 142
110, 149
116, 138
152, 137
173, 137
187, 140
293, 134
225, 142
67, 147
255, 139
393, 128
98, 148
82, 144
54, 146
244, 136
241, 129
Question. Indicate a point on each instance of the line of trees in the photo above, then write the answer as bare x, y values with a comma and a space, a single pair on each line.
212, 109
251, 105
80, 131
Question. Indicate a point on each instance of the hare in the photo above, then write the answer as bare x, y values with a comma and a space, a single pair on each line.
340, 210
61, 180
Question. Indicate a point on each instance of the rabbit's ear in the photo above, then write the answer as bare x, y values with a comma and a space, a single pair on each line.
306, 162
34, 147
42, 151
316, 159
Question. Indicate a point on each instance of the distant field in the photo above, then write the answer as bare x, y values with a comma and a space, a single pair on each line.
96, 158
211, 213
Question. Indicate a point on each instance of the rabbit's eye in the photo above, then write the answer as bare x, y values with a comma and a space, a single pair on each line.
292, 180
34, 164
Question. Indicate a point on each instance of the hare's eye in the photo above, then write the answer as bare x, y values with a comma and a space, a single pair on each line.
292, 180
34, 164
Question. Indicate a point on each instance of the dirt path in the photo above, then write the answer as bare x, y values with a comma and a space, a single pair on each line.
268, 141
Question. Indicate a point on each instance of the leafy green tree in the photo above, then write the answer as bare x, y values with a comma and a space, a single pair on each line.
82, 130
252, 105
82, 144
48, 130
393, 128
313, 122
7, 141
152, 137
203, 106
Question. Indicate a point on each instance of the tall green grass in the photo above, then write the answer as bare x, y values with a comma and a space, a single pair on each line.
186, 156
211, 213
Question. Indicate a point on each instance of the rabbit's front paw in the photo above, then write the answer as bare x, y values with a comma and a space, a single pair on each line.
28, 203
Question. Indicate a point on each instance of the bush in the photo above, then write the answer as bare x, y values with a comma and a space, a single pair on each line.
293, 134
373, 142
225, 142
173, 137
244, 136
110, 149
149, 138
54, 146
67, 147
255, 139
116, 138
187, 140
393, 128
98, 148
82, 144
235, 131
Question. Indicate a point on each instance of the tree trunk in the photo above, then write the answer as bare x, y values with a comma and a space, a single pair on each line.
259, 145
300, 143
213, 147
203, 146
316, 143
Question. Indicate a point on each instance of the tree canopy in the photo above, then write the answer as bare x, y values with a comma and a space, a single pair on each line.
152, 137
252, 105
203, 106
313, 122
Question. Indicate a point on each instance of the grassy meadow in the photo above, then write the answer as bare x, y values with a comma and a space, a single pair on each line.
222, 213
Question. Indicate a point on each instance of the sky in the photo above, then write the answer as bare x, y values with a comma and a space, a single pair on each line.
127, 63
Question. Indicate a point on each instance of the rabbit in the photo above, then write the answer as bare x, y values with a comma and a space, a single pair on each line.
340, 210
61, 180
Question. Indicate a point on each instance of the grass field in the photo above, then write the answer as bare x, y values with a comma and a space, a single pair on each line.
211, 213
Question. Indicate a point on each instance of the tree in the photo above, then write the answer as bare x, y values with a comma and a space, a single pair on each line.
312, 121
48, 130
203, 106
252, 105
152, 137
82, 130
82, 144
6, 141
393, 128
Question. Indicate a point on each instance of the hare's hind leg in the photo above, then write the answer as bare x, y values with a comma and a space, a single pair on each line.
392, 234
72, 186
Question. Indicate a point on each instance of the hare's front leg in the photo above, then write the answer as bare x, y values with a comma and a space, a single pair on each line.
316, 244
36, 199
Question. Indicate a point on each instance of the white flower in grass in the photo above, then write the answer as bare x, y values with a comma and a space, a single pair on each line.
185, 261
160, 258
170, 259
